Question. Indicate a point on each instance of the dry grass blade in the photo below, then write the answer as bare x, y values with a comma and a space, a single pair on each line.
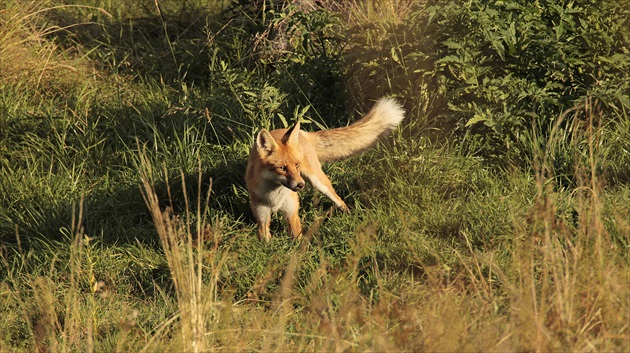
184, 255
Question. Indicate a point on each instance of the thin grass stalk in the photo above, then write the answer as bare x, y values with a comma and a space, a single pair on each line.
565, 279
179, 248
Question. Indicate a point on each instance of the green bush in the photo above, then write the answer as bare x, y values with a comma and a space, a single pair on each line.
503, 67
295, 51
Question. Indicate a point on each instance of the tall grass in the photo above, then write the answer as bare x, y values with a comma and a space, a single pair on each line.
571, 289
183, 240
28, 55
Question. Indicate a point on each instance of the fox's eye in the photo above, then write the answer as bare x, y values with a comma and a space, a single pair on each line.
282, 168
297, 165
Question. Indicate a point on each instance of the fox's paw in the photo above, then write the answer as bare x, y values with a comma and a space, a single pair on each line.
264, 236
297, 236
343, 207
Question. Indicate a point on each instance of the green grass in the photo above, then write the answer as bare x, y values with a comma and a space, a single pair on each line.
124, 218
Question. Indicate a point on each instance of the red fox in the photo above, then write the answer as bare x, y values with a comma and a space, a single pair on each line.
281, 159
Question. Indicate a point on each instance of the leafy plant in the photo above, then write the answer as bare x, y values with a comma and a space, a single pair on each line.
505, 66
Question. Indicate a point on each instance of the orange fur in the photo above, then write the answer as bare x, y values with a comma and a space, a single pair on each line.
281, 159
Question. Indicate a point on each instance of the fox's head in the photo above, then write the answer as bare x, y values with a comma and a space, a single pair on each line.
281, 159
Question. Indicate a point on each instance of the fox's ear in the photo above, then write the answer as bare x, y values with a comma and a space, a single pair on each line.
291, 136
265, 142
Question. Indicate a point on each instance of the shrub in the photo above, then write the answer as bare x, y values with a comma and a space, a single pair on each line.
294, 47
503, 66
494, 72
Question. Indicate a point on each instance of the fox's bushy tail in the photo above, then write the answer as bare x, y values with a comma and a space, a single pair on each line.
339, 143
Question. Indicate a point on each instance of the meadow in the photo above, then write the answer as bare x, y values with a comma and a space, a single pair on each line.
496, 218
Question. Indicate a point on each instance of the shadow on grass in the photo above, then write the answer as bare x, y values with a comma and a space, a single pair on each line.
119, 215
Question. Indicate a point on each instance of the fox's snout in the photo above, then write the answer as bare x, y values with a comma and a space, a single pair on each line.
295, 186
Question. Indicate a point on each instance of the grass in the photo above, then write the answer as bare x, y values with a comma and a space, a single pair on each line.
124, 221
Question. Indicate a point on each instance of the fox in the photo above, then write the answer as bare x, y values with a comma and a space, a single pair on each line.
281, 160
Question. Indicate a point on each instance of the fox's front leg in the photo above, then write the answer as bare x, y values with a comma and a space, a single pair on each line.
263, 219
290, 210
